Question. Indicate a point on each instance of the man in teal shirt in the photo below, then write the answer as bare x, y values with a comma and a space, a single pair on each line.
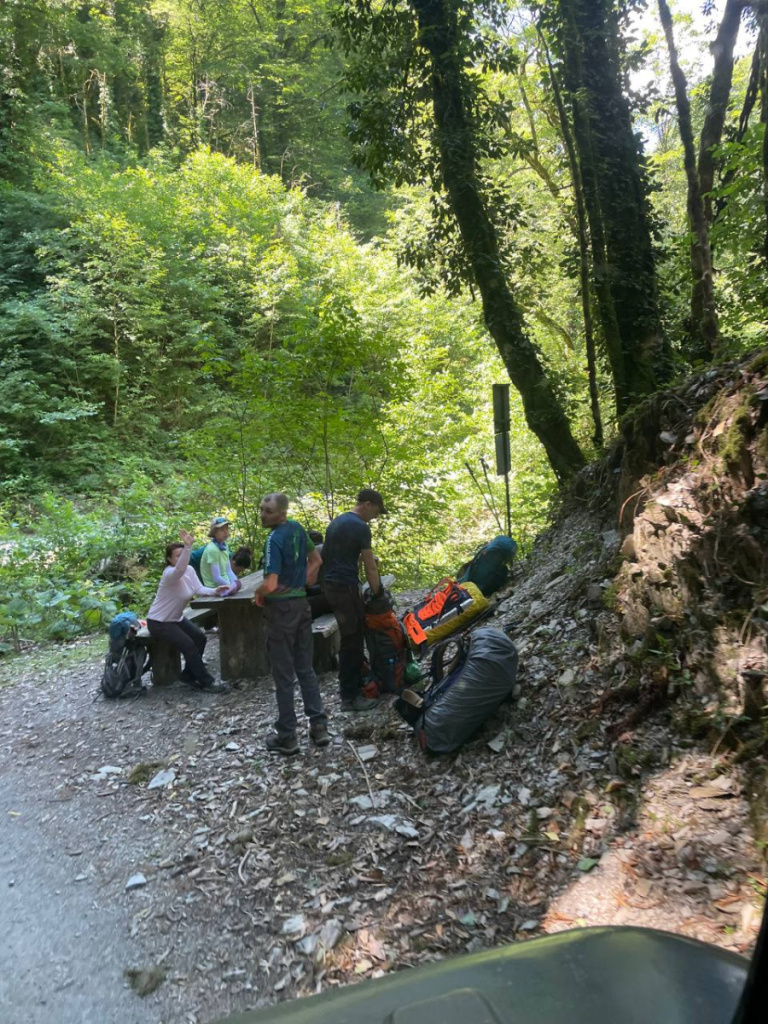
289, 559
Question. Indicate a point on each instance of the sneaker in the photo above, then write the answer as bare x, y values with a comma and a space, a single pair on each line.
359, 703
285, 746
319, 735
214, 687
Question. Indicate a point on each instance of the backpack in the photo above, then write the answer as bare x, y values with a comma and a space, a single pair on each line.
127, 658
387, 646
478, 678
489, 567
446, 608
195, 558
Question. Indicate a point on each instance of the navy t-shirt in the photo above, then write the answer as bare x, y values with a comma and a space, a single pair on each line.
345, 538
285, 553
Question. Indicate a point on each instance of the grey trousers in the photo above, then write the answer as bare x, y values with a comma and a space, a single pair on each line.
290, 649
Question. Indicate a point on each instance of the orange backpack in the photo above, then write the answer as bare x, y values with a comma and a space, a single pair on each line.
387, 652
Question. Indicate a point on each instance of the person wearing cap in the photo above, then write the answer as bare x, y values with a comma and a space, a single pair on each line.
348, 543
165, 618
215, 565
240, 562
290, 560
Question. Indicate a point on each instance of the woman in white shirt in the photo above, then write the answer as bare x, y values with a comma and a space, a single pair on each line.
178, 585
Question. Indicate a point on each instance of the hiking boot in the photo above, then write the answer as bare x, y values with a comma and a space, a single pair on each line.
359, 703
319, 734
287, 745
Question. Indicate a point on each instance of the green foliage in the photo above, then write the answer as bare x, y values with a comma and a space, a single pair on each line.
188, 318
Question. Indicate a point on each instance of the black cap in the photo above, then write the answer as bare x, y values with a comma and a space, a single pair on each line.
368, 494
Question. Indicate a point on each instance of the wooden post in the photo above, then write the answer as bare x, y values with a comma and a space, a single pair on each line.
243, 640
326, 651
166, 661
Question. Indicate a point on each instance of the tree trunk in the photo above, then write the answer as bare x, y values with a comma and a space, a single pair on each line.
616, 195
154, 33
750, 98
762, 48
719, 92
439, 34
704, 332
583, 238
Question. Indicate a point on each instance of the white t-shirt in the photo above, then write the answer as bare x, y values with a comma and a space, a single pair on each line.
178, 585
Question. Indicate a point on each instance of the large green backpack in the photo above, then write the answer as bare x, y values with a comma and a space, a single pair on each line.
489, 568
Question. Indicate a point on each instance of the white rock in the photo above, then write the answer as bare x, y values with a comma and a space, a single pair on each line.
364, 802
308, 944
487, 796
295, 926
524, 795
367, 753
163, 778
135, 882
330, 934
232, 746
392, 823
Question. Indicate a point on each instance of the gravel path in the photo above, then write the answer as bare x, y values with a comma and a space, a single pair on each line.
264, 879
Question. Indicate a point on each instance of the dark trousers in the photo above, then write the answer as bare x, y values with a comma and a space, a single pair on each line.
318, 602
347, 605
290, 650
188, 638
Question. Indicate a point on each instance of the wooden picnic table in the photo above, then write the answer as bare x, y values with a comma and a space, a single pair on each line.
243, 632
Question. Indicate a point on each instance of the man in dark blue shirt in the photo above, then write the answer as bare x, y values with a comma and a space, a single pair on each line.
347, 543
289, 560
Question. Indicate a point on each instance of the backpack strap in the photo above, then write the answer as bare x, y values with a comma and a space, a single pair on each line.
414, 629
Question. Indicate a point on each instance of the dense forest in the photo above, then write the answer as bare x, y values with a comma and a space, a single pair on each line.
249, 245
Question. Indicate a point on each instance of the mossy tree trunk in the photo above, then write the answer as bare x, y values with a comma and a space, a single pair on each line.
719, 93
616, 197
762, 52
704, 330
439, 35
584, 248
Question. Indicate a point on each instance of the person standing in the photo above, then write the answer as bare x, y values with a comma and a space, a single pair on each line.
289, 559
215, 566
347, 543
165, 618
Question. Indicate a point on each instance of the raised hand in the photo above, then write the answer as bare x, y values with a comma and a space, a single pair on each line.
187, 538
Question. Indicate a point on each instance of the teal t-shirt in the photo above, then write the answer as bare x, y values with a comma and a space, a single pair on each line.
213, 555
285, 553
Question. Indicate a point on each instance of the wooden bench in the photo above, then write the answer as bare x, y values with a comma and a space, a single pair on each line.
327, 641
